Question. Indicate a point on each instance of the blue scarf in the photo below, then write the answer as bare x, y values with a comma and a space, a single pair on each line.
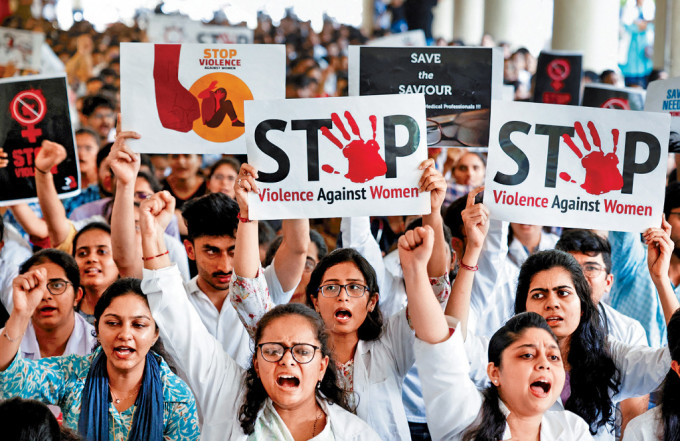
147, 422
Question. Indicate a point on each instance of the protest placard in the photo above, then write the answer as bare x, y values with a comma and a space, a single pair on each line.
576, 167
558, 78
664, 96
21, 49
459, 84
408, 38
189, 98
332, 157
37, 110
605, 96
181, 29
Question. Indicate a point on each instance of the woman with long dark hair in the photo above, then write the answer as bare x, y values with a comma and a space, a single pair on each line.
372, 355
662, 423
525, 364
600, 372
287, 394
123, 391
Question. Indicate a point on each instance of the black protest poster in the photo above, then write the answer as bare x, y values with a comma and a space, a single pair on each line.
458, 83
610, 97
36, 110
558, 78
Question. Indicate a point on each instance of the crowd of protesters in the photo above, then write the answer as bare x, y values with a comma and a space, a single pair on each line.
151, 307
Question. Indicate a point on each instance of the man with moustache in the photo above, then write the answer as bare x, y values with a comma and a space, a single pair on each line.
211, 226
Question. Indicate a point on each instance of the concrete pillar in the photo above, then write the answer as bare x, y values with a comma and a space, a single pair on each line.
367, 17
675, 39
591, 27
661, 33
519, 22
442, 24
468, 21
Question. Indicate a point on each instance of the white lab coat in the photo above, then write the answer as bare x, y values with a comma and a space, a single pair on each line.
213, 376
642, 371
453, 402
645, 427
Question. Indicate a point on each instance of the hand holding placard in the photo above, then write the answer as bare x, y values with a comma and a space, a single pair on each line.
245, 183
124, 162
476, 221
659, 250
432, 181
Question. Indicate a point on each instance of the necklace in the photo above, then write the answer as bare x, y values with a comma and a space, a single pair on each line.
118, 400
315, 421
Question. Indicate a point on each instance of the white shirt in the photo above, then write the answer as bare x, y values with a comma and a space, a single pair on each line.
622, 328
225, 325
453, 402
213, 376
81, 342
645, 427
642, 371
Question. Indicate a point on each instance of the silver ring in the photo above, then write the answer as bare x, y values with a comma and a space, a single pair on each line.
239, 183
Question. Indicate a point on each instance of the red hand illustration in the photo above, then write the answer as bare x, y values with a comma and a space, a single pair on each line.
177, 107
602, 170
364, 160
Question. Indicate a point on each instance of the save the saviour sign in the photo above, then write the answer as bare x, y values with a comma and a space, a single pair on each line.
576, 167
335, 157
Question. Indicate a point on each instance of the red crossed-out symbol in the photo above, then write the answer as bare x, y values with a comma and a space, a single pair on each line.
558, 71
28, 108
616, 103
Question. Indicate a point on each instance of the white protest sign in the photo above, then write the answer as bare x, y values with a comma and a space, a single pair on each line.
664, 96
21, 48
203, 33
409, 38
189, 98
576, 167
332, 157
181, 29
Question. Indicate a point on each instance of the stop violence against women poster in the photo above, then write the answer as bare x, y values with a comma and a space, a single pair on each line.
189, 98
37, 110
576, 167
337, 157
458, 82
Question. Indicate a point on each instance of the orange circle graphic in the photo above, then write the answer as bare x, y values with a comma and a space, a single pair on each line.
220, 96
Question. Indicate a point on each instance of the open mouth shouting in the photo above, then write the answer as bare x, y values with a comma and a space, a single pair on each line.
343, 315
554, 320
47, 310
288, 381
92, 271
540, 388
123, 352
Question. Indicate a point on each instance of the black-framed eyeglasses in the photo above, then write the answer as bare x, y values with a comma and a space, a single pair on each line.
334, 289
592, 269
302, 353
58, 286
466, 129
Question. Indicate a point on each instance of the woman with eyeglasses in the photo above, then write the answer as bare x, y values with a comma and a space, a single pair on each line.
287, 394
123, 391
372, 355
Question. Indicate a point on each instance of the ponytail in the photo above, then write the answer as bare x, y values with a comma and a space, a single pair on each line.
490, 423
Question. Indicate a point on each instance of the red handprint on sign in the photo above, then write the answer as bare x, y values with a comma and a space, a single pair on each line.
364, 160
602, 170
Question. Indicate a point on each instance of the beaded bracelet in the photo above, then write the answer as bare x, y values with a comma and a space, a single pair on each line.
242, 219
